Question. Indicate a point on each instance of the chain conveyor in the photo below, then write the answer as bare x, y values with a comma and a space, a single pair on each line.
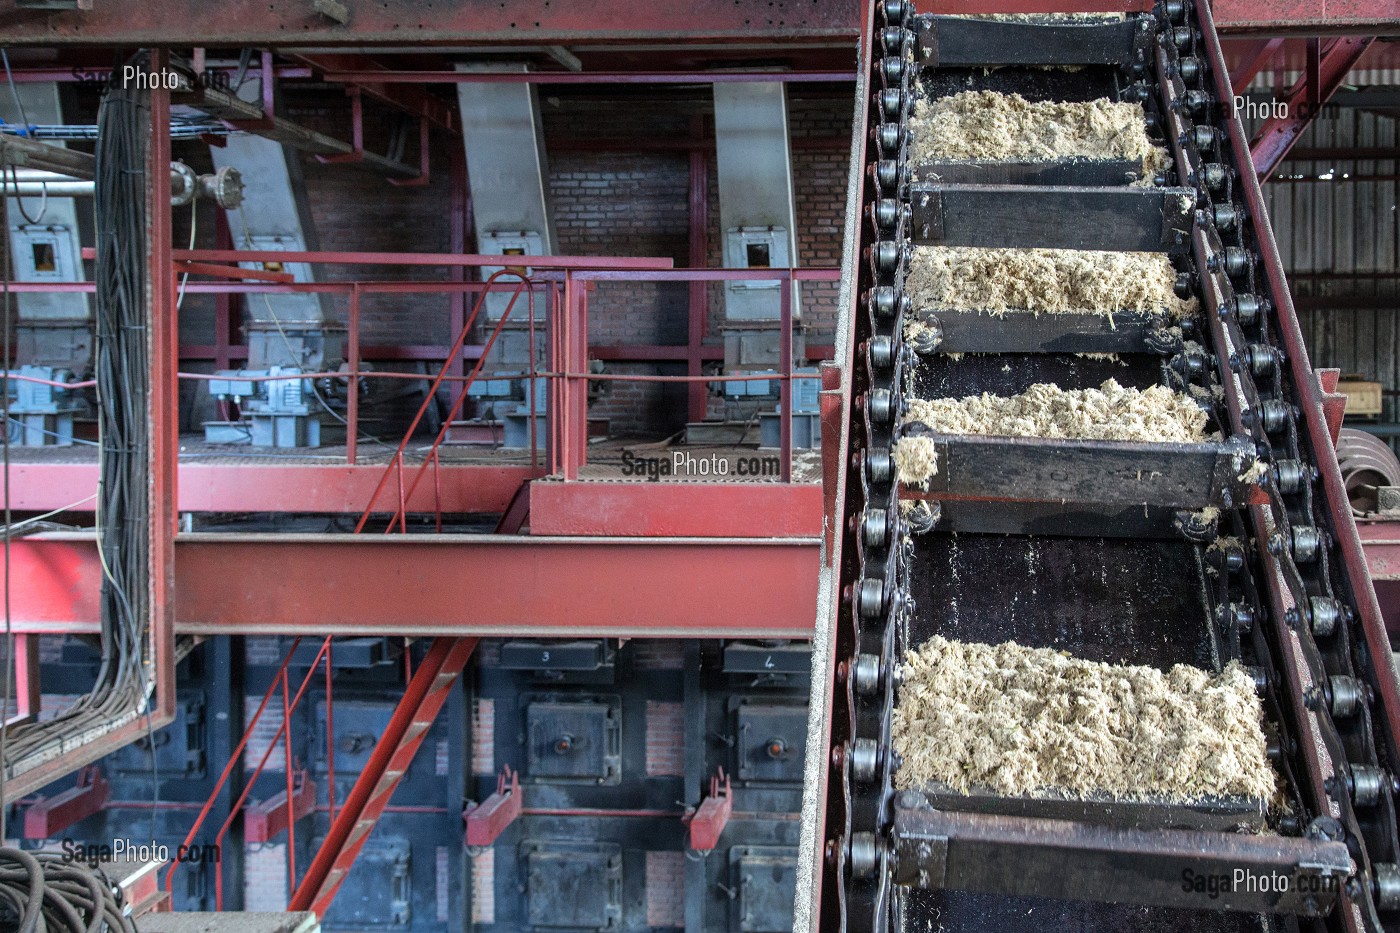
1237, 548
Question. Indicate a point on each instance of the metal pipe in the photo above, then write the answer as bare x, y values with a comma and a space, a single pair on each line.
224, 187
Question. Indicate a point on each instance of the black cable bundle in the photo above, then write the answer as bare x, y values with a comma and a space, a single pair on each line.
123, 380
42, 893
123, 388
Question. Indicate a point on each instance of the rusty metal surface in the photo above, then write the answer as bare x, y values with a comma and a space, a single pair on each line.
428, 22
421, 22
1307, 17
1078, 861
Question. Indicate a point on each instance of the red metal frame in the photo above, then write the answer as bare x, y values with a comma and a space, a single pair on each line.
49, 816
1348, 542
1254, 57
677, 509
28, 695
163, 419
1326, 70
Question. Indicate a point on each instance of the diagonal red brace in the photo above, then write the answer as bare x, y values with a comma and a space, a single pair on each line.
707, 821
52, 815
1279, 133
488, 819
264, 821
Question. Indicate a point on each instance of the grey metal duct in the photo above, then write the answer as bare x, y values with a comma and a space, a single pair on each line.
754, 164
282, 330
504, 143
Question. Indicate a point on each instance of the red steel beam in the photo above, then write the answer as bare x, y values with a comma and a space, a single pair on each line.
264, 821
973, 7
49, 816
393, 753
1306, 17
264, 487
414, 585
1380, 542
352, 258
593, 77
677, 509
1259, 53
429, 22
1279, 134
416, 101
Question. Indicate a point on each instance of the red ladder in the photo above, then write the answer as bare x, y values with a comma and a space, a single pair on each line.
426, 693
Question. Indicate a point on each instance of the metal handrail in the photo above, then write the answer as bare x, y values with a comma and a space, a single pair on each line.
396, 462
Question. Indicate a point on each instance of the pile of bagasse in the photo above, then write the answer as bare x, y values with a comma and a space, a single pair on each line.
1015, 720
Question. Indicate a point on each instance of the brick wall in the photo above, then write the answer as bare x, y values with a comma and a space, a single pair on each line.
665, 739
484, 736
659, 654
665, 889
484, 887
263, 734
265, 876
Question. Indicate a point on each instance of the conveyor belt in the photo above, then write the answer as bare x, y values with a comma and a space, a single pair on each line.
1117, 551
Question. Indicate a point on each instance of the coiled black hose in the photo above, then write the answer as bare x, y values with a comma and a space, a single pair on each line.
42, 892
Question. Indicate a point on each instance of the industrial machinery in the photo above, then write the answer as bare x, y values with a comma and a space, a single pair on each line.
280, 411
1240, 548
40, 409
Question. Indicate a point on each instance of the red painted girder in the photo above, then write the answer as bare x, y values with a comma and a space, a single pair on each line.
488, 819
414, 585
1380, 542
413, 100
1306, 17
352, 258
50, 816
429, 22
1279, 134
265, 820
1254, 55
670, 508
264, 487
965, 7
392, 756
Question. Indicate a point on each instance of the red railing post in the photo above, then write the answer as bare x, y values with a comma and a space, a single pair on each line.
785, 385
291, 796
330, 735
352, 401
